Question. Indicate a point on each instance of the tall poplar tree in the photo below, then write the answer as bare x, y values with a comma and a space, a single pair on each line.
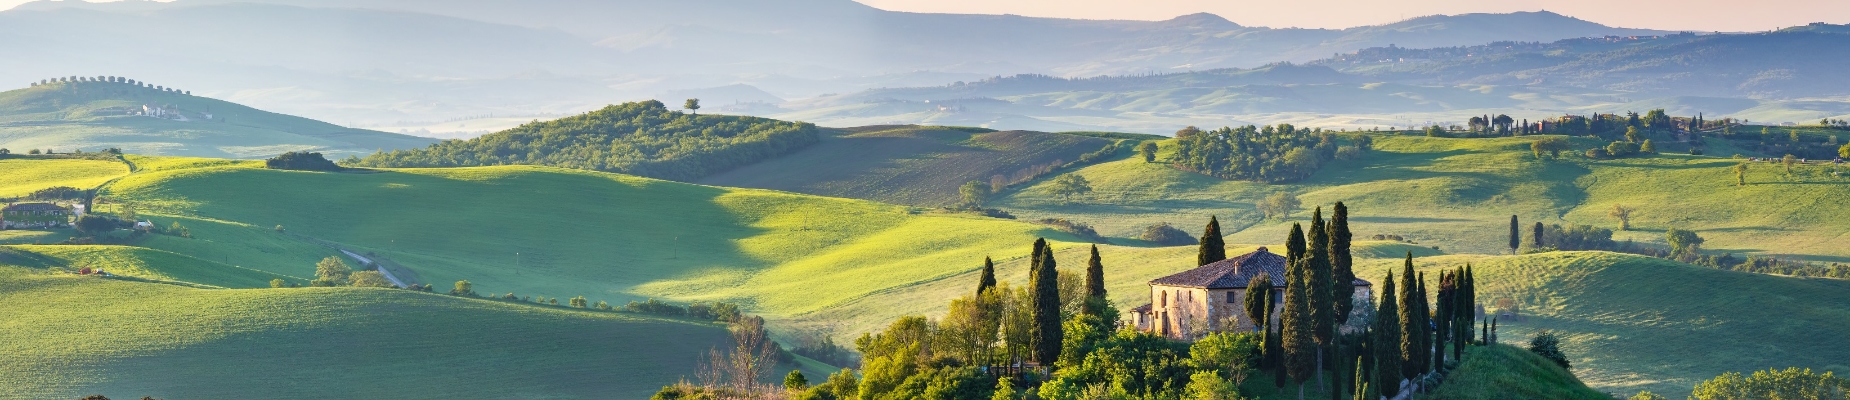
988, 281
1275, 353
1386, 336
1213, 248
1515, 234
1342, 264
1319, 288
1422, 300
1046, 308
1410, 329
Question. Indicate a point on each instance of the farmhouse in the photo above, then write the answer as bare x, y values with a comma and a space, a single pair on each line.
1212, 297
34, 215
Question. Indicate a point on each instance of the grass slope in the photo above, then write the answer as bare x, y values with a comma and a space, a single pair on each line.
917, 165
24, 175
95, 115
1507, 372
65, 336
141, 263
560, 233
1638, 323
1456, 193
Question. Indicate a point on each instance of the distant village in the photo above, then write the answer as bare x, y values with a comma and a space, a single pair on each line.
168, 112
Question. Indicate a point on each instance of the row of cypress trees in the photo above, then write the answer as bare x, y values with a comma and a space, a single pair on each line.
1409, 335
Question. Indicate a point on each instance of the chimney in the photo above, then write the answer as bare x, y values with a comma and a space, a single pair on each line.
1262, 249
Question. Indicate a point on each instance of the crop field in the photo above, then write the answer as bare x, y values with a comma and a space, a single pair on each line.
66, 336
25, 175
1455, 193
912, 165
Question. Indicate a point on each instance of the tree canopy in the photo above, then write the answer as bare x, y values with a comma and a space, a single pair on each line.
641, 138
1262, 154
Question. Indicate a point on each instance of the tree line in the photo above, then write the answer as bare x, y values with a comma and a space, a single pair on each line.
640, 138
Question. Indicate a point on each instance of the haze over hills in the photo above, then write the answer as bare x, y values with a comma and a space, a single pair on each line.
392, 63
104, 112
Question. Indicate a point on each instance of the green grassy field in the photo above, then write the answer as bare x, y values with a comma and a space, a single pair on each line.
142, 263
25, 175
94, 115
1635, 323
1509, 372
912, 165
562, 233
1458, 194
66, 336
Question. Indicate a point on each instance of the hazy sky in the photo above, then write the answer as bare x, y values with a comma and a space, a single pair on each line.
1695, 15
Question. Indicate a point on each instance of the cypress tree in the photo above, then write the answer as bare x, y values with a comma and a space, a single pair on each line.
1299, 324
1258, 300
1424, 302
1515, 234
1275, 353
1362, 390
1341, 263
1318, 286
1442, 317
1386, 335
1095, 275
1537, 236
1410, 329
1462, 312
988, 280
1212, 247
1046, 308
1294, 248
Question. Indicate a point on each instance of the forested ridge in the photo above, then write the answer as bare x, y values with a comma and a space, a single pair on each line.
640, 138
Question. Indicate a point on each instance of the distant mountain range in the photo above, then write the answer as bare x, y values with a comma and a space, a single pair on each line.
383, 62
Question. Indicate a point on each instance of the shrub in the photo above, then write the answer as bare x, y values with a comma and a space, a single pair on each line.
1790, 383
464, 288
579, 302
278, 283
1076, 228
369, 279
1167, 235
795, 380
1548, 345
93, 225
301, 161
59, 193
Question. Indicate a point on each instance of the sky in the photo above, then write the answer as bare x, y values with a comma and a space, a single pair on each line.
1691, 15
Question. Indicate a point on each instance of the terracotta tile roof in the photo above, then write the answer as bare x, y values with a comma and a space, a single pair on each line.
34, 207
1234, 273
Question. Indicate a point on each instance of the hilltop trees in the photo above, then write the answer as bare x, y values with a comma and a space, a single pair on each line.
1263, 154
1551, 145
1148, 151
1212, 247
692, 106
641, 138
301, 161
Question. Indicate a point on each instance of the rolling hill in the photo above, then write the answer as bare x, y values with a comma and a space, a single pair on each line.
92, 115
914, 165
1453, 193
66, 336
25, 175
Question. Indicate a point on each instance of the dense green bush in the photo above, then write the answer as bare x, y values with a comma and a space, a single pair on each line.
1790, 383
1166, 235
301, 161
1548, 345
643, 138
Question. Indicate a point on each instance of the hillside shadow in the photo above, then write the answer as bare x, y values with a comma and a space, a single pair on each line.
1409, 220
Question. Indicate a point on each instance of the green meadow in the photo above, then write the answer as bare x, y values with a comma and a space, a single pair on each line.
1458, 194
67, 336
